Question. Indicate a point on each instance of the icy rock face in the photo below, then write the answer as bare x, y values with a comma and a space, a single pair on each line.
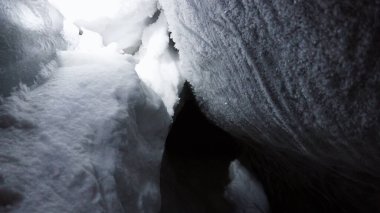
89, 140
29, 36
299, 78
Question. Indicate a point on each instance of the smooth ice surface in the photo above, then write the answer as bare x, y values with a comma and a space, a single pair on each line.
88, 140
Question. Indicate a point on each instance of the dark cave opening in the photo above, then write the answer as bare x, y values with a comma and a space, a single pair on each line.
194, 172
194, 169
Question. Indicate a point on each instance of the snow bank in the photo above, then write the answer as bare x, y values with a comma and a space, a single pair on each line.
88, 140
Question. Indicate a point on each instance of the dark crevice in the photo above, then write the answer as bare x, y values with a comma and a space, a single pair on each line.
194, 171
172, 45
9, 198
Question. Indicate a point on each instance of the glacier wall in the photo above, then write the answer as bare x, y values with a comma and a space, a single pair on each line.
297, 81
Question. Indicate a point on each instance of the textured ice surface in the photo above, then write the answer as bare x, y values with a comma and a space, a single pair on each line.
88, 140
29, 36
298, 80
292, 76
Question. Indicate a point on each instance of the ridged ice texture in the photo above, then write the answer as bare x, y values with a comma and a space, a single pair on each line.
293, 74
29, 36
300, 77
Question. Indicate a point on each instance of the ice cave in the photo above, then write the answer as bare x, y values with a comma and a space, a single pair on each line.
189, 106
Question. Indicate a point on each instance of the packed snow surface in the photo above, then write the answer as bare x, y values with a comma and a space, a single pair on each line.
88, 140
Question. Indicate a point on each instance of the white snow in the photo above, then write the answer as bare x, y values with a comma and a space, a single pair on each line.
120, 21
245, 191
88, 140
158, 64
128, 30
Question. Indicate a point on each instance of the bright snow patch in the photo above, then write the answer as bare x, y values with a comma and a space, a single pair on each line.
119, 21
158, 65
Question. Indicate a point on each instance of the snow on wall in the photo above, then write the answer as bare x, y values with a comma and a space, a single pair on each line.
89, 140
29, 36
158, 63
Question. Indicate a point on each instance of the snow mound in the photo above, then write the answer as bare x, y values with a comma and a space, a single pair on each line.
245, 191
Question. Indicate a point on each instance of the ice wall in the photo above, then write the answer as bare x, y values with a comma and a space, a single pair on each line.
297, 80
29, 37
